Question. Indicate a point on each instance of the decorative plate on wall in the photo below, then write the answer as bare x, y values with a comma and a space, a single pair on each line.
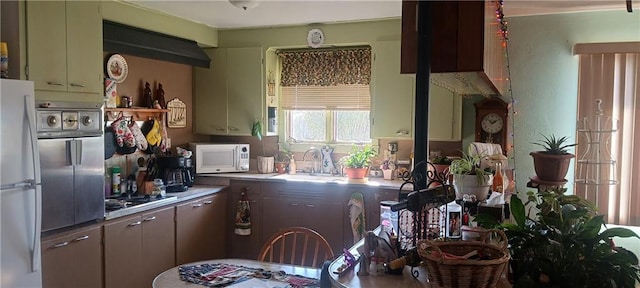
117, 68
315, 38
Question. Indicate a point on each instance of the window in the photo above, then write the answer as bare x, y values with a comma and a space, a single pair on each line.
611, 72
325, 94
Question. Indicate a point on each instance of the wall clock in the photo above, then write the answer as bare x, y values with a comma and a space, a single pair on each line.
491, 121
315, 38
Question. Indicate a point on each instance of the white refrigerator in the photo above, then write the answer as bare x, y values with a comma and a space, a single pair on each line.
20, 190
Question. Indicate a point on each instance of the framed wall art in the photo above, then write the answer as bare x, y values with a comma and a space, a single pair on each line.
177, 115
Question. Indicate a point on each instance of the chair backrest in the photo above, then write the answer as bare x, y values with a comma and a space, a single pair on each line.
298, 246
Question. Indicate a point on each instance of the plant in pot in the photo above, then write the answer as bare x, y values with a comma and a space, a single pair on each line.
440, 167
283, 157
559, 242
356, 164
469, 178
552, 163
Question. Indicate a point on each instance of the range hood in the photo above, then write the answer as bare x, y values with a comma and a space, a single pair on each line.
120, 38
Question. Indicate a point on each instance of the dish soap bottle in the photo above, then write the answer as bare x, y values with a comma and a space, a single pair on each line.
292, 165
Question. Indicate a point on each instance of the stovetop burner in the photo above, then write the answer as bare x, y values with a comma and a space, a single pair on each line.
124, 201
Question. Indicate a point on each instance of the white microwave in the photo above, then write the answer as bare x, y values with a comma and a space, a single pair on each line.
220, 158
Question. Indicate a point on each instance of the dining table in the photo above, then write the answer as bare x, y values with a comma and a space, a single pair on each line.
171, 278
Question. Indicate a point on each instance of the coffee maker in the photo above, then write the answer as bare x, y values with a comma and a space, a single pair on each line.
175, 172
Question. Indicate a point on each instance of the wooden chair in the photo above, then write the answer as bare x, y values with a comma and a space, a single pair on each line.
298, 246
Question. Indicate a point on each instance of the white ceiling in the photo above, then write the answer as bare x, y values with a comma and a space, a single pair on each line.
221, 14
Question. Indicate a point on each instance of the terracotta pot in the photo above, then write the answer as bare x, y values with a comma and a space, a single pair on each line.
281, 167
356, 173
551, 168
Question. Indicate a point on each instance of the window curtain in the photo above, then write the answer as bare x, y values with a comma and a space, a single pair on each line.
610, 72
333, 79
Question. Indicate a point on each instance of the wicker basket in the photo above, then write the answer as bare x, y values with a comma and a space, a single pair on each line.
467, 272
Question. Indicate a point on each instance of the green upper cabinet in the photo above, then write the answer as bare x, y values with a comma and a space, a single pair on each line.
229, 95
445, 115
64, 50
392, 97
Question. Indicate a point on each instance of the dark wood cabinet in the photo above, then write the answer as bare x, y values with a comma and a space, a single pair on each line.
245, 246
73, 259
200, 229
123, 253
320, 207
158, 243
467, 52
373, 205
139, 247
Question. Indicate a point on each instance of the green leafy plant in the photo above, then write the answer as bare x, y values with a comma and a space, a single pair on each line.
555, 146
358, 158
469, 165
561, 244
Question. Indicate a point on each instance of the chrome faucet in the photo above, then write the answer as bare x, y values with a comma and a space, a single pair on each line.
317, 156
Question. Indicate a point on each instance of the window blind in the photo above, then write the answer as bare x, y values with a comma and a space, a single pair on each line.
339, 97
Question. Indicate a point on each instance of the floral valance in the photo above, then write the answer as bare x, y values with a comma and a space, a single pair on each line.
326, 67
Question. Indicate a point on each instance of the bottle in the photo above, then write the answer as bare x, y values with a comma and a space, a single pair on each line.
147, 97
410, 258
498, 179
160, 96
4, 60
292, 166
454, 219
115, 180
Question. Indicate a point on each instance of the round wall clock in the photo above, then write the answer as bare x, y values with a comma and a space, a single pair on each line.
315, 38
491, 121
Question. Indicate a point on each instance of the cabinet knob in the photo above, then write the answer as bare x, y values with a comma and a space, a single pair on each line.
208, 202
196, 205
54, 83
135, 223
294, 204
309, 205
231, 128
76, 85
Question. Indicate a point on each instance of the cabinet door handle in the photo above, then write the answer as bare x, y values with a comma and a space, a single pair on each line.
85, 237
54, 83
208, 202
294, 204
76, 85
135, 223
60, 245
231, 128
150, 219
309, 205
196, 205
253, 201
220, 129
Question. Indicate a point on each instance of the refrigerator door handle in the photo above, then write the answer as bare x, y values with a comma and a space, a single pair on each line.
71, 153
35, 249
78, 152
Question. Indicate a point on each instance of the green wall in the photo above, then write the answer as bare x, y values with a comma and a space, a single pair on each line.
544, 76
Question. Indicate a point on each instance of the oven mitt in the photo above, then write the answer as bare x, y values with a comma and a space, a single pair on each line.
153, 135
148, 128
165, 139
122, 133
141, 140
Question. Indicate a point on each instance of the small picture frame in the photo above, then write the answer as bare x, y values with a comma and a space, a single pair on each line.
177, 115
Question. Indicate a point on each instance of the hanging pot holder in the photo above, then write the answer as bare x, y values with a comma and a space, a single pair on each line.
123, 135
150, 129
141, 141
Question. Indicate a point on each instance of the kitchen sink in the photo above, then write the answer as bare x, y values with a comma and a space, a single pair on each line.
318, 178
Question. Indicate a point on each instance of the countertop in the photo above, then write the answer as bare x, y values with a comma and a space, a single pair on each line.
305, 177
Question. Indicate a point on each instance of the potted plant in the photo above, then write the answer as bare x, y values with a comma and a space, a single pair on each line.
469, 178
387, 167
562, 244
552, 164
439, 165
283, 157
357, 162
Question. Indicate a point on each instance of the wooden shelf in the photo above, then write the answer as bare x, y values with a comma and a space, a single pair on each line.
136, 114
